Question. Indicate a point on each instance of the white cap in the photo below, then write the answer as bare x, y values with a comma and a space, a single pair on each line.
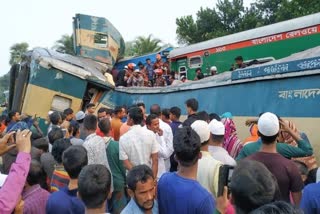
217, 127
125, 67
80, 115
202, 129
183, 77
50, 112
213, 68
268, 124
136, 71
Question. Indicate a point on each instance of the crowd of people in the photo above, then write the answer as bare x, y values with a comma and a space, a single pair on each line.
146, 74
124, 160
158, 74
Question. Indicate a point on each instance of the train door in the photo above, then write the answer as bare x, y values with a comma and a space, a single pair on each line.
194, 62
182, 71
182, 68
92, 94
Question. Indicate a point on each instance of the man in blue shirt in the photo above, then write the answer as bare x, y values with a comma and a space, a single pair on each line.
66, 200
151, 73
180, 192
141, 188
13, 118
175, 113
310, 202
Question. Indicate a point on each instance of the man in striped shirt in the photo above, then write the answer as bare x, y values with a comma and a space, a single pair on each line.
34, 197
66, 200
60, 177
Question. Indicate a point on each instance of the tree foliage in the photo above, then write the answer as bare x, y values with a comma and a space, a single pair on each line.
17, 51
143, 45
230, 16
65, 45
129, 51
4, 85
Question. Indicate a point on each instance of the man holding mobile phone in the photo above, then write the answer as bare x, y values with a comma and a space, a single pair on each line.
10, 192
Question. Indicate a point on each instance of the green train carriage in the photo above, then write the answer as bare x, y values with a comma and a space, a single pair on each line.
269, 42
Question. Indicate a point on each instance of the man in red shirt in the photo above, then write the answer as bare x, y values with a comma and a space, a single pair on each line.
284, 170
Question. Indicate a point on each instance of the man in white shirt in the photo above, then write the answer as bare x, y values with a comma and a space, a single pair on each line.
138, 145
208, 167
217, 130
94, 144
165, 151
167, 132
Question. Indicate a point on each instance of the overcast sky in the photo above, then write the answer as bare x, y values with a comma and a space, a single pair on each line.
41, 22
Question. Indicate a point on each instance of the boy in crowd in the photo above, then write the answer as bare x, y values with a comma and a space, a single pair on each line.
94, 185
65, 200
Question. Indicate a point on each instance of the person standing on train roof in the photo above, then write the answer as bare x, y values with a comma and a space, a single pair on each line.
144, 74
129, 71
131, 67
239, 62
199, 74
135, 79
158, 64
150, 71
120, 81
159, 81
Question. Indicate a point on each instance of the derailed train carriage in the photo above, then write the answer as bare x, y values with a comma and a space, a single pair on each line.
48, 80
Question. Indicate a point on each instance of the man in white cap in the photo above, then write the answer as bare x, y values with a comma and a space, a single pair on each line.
79, 118
217, 131
284, 170
208, 167
213, 70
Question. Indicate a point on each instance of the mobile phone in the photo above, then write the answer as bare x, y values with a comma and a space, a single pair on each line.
225, 175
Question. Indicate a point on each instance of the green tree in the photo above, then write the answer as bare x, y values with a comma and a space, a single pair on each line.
129, 50
17, 51
186, 25
65, 45
290, 9
143, 45
211, 23
230, 16
269, 9
4, 85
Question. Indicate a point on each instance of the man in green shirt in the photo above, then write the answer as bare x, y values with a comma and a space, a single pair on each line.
119, 198
302, 150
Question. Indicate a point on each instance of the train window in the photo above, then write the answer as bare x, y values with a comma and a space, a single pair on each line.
182, 69
101, 40
60, 103
195, 62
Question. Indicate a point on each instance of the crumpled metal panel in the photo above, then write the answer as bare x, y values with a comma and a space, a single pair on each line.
78, 66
